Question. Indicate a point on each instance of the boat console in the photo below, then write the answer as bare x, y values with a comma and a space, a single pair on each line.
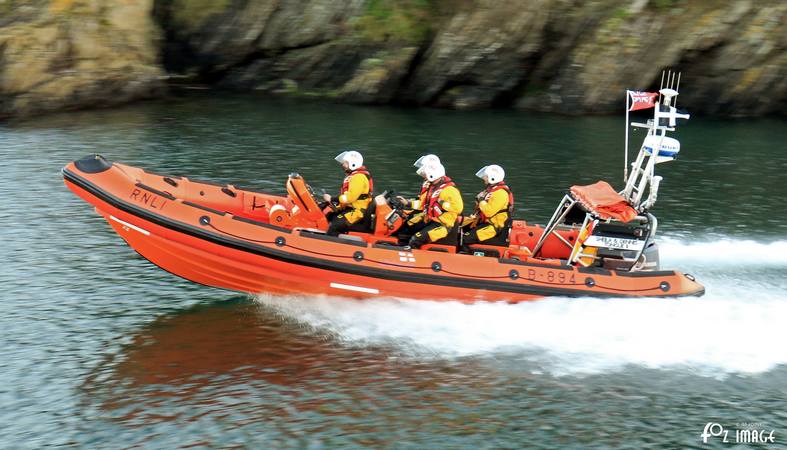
616, 230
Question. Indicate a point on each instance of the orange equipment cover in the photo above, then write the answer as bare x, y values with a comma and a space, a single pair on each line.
601, 199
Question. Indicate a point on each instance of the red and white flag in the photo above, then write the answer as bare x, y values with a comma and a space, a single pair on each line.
642, 100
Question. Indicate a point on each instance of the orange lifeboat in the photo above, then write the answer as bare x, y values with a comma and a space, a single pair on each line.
231, 238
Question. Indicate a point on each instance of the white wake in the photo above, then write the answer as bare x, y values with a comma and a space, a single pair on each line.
722, 252
737, 327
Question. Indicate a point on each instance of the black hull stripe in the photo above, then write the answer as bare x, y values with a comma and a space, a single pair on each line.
261, 224
517, 262
655, 273
287, 257
166, 195
204, 208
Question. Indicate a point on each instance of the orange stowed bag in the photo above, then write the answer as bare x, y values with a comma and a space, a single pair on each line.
601, 199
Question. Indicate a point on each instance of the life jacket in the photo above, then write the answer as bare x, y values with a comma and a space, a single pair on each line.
361, 170
434, 210
423, 195
490, 190
425, 188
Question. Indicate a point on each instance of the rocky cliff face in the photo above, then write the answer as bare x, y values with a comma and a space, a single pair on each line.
67, 54
567, 56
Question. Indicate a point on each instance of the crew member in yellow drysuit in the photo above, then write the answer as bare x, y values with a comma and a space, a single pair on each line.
443, 204
354, 198
490, 223
417, 204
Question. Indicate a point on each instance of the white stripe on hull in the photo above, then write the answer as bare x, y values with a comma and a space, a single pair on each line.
348, 287
128, 225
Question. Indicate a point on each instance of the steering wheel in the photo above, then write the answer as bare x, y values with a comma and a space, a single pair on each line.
322, 203
393, 202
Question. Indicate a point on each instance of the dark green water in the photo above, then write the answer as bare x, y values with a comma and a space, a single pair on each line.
100, 349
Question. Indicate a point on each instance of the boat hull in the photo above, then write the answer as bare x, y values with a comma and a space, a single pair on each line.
223, 250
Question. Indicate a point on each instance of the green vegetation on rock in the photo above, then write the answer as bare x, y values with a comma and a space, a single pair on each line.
662, 5
190, 14
407, 21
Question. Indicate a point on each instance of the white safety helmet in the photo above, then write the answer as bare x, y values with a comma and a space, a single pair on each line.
353, 159
432, 171
426, 159
493, 173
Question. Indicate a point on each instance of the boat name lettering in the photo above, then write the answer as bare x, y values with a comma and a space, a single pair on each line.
551, 276
616, 243
148, 198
